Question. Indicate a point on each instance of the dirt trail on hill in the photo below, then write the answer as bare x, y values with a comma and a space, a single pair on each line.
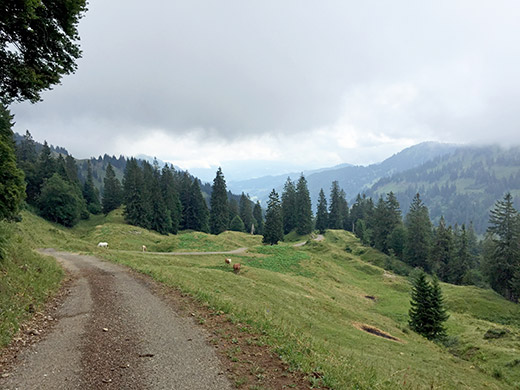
318, 238
114, 333
233, 252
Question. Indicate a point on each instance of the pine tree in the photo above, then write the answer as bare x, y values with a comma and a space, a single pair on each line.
442, 251
45, 167
289, 211
237, 225
160, 219
134, 212
273, 228
504, 229
112, 196
171, 198
460, 261
91, 193
219, 209
12, 185
27, 157
418, 235
322, 220
427, 312
336, 216
259, 219
246, 212
303, 208
233, 208
199, 217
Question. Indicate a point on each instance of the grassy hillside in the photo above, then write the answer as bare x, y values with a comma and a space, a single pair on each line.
311, 303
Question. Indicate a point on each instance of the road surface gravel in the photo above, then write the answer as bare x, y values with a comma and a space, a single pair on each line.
113, 332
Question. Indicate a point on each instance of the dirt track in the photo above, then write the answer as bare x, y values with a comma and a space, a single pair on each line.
114, 333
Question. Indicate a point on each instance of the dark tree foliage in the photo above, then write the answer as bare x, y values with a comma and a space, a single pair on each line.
112, 195
26, 157
219, 213
45, 167
322, 216
245, 212
303, 207
133, 185
237, 225
273, 228
419, 235
233, 208
289, 210
160, 219
460, 261
59, 201
91, 193
38, 45
427, 312
442, 251
258, 218
12, 185
197, 217
504, 260
171, 198
71, 169
336, 210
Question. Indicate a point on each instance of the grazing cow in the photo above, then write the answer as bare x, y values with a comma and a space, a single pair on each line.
236, 267
103, 245
228, 261
144, 248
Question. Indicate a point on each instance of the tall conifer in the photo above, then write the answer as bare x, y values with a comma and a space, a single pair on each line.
112, 196
418, 235
303, 207
219, 208
289, 210
322, 220
273, 228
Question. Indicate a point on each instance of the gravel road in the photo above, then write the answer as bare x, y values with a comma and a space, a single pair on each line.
114, 333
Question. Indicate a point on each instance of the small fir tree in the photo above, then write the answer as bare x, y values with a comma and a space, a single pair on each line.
259, 219
322, 221
273, 228
237, 225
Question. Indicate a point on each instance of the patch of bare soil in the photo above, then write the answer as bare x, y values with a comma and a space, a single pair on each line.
248, 362
36, 328
375, 331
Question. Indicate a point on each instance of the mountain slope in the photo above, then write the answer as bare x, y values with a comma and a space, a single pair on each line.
353, 179
462, 186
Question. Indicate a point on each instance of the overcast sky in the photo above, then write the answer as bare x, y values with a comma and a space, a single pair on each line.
307, 83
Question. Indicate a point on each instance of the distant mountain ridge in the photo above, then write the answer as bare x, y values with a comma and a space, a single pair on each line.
352, 179
462, 186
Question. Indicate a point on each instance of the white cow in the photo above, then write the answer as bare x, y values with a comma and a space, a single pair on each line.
103, 245
144, 248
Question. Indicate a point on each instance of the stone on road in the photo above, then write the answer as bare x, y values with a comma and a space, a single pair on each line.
114, 333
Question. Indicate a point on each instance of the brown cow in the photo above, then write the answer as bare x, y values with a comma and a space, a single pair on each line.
236, 267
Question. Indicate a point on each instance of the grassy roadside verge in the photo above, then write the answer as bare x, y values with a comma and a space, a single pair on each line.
27, 280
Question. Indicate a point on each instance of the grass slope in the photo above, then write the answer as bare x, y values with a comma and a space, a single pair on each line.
309, 303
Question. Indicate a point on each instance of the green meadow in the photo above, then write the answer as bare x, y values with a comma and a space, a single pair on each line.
310, 304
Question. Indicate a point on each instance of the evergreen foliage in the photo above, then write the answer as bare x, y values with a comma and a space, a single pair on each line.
419, 235
427, 312
322, 216
303, 208
289, 208
171, 198
245, 212
273, 228
26, 157
133, 185
91, 193
12, 185
219, 208
112, 195
258, 218
504, 260
336, 212
197, 214
442, 250
237, 225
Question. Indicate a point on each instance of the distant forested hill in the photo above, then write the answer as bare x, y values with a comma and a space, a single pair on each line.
463, 186
352, 179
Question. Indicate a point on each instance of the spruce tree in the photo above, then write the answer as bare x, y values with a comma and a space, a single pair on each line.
233, 208
12, 185
171, 198
27, 157
199, 218
460, 261
91, 193
427, 312
442, 251
112, 196
45, 167
246, 212
219, 209
289, 210
418, 235
504, 229
273, 227
134, 212
336, 211
160, 219
237, 225
322, 220
259, 219
303, 208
